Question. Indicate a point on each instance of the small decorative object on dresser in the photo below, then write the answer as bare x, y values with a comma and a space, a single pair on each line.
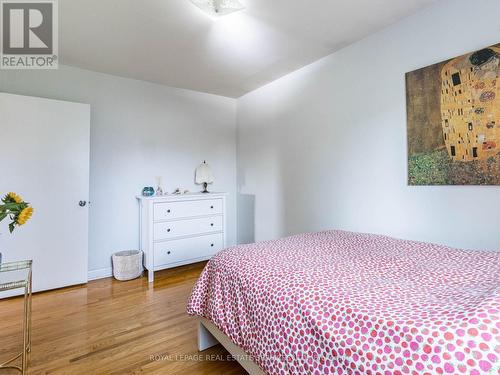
204, 176
181, 229
159, 189
148, 191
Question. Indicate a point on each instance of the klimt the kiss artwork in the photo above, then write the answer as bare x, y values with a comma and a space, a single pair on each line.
453, 110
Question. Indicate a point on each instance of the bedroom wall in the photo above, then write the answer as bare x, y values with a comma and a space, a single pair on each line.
139, 130
325, 147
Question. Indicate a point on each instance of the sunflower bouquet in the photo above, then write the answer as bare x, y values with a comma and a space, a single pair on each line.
15, 209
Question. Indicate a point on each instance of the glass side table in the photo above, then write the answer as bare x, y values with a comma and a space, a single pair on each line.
17, 275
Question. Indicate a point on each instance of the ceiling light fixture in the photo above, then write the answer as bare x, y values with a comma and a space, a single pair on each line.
218, 8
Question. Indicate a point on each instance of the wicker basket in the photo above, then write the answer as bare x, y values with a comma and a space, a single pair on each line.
127, 265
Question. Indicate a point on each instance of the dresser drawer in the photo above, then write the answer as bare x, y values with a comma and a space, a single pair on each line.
181, 209
188, 227
186, 249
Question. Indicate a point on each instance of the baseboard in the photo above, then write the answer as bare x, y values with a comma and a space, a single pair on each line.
100, 273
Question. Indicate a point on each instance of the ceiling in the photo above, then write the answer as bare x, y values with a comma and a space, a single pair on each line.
172, 42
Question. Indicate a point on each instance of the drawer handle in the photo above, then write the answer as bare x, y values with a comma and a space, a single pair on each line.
169, 252
211, 207
168, 211
168, 230
211, 224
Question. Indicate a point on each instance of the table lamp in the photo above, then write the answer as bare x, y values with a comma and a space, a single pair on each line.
204, 176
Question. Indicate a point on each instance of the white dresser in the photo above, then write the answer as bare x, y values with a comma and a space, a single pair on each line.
181, 229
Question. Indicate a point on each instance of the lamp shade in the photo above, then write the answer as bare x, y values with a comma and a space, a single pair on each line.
204, 174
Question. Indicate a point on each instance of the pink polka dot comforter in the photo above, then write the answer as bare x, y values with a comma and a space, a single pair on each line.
347, 303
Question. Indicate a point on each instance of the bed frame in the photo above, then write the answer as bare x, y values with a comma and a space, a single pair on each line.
209, 335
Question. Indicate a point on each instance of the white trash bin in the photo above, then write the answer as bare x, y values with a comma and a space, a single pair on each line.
127, 265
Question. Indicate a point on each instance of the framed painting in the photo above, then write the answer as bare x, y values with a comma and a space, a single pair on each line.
453, 120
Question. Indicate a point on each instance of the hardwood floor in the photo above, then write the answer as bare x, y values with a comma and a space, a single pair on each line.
112, 327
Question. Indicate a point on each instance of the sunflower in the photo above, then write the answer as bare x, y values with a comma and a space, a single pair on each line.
24, 215
15, 209
13, 198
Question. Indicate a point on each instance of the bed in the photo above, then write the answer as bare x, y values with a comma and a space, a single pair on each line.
337, 302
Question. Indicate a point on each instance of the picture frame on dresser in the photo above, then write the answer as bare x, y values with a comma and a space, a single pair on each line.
176, 230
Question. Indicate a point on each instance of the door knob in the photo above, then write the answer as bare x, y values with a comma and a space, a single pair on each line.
82, 203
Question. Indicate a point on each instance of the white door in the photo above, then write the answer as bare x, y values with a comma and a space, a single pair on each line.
44, 148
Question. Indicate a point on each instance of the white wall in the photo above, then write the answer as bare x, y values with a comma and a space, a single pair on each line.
325, 147
139, 130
